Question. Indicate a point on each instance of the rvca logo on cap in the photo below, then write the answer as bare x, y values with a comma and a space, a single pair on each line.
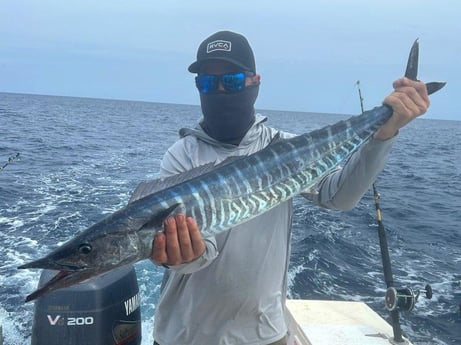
218, 45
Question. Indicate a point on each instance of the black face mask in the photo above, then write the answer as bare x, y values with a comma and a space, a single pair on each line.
228, 116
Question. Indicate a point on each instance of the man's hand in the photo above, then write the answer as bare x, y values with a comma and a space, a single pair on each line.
180, 242
408, 101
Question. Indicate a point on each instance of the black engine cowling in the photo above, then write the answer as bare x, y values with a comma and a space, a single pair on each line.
102, 311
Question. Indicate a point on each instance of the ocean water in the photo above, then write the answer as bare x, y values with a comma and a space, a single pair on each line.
79, 160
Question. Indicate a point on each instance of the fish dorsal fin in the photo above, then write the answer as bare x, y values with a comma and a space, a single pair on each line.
149, 187
228, 160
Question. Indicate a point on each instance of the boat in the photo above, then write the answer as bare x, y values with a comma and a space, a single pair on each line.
106, 311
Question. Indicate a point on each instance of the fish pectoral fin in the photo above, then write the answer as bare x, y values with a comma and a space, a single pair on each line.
157, 219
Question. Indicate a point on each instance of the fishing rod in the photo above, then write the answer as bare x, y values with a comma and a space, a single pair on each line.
403, 299
10, 160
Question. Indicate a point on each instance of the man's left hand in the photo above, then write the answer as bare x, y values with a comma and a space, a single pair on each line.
408, 101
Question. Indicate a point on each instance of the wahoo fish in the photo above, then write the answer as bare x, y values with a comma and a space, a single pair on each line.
219, 197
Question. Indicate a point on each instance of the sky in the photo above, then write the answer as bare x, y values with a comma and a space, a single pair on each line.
310, 54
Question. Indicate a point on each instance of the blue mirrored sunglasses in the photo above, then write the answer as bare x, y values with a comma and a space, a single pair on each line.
231, 82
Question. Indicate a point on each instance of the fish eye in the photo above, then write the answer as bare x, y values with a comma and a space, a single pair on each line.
85, 248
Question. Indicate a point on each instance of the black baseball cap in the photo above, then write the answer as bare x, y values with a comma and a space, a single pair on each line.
228, 46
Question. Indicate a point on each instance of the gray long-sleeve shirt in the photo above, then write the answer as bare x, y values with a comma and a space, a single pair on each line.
235, 292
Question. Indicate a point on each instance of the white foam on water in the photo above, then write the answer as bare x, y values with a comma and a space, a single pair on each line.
12, 333
11, 222
149, 281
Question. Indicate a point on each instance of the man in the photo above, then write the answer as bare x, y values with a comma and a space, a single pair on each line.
230, 289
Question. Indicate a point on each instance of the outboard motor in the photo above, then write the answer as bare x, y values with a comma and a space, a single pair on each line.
102, 311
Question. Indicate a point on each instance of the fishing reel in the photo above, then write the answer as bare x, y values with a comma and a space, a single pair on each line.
404, 299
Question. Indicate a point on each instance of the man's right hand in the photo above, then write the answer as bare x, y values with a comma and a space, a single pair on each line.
179, 243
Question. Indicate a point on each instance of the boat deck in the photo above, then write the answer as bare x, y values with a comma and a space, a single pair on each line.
336, 322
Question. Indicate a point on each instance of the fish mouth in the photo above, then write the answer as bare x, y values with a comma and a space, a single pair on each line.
52, 284
68, 274
50, 264
63, 279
